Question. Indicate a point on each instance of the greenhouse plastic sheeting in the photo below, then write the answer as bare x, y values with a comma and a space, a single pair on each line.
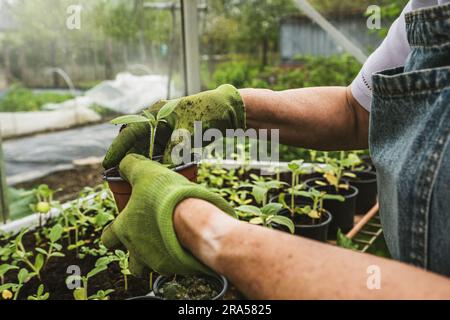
13, 124
34, 157
129, 93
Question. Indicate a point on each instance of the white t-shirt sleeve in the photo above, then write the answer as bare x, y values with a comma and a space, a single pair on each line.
392, 53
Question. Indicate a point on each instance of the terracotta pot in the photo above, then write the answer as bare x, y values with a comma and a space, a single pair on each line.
121, 189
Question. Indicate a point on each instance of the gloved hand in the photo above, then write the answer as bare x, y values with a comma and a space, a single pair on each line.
145, 227
221, 109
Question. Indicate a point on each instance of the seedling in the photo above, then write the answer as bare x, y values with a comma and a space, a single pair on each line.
54, 248
149, 118
334, 171
261, 187
40, 294
44, 196
122, 258
22, 255
22, 277
267, 216
316, 210
82, 292
297, 170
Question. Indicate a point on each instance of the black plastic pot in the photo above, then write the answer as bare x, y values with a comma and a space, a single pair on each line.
367, 160
309, 228
220, 282
304, 225
366, 183
343, 213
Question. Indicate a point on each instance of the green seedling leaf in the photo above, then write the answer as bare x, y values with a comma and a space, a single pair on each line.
129, 119
80, 294
272, 209
23, 275
40, 250
149, 116
344, 242
39, 262
56, 233
257, 221
167, 110
284, 221
259, 193
249, 209
96, 271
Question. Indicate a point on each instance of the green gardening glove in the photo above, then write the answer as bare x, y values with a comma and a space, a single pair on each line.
221, 109
145, 227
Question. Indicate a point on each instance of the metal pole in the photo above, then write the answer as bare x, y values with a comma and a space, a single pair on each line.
191, 46
4, 206
338, 37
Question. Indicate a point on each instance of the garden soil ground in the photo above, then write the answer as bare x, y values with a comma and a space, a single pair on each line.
71, 182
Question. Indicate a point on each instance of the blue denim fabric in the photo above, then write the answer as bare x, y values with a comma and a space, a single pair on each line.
410, 145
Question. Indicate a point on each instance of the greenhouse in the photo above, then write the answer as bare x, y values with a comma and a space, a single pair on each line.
228, 151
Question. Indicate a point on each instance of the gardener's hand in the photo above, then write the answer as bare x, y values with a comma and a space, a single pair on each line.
221, 109
145, 227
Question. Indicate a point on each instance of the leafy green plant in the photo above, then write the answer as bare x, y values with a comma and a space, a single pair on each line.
82, 292
149, 118
20, 99
297, 170
315, 210
20, 254
101, 295
334, 171
267, 216
54, 248
122, 258
344, 242
260, 188
40, 294
22, 277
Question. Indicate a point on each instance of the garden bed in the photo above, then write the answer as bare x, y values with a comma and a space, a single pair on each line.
48, 244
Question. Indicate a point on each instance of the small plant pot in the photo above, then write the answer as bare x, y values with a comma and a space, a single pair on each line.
366, 183
220, 283
122, 190
343, 213
311, 228
304, 225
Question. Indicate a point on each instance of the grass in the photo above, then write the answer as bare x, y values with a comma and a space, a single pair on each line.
20, 99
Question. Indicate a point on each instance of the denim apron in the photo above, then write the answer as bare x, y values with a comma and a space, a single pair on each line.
410, 145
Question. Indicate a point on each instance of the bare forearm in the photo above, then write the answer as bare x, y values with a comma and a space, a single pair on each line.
266, 264
323, 118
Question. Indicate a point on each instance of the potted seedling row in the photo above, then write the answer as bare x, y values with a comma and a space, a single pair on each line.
305, 208
333, 183
120, 188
